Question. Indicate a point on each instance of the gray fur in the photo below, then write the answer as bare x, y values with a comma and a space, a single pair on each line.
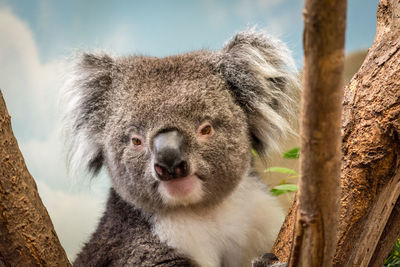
85, 110
124, 238
263, 79
246, 91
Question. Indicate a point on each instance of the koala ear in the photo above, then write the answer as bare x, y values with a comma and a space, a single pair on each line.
84, 103
263, 79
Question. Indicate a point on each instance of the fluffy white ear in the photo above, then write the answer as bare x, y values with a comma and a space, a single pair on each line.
264, 80
84, 110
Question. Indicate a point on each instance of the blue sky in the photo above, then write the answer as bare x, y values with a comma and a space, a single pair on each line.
162, 28
37, 37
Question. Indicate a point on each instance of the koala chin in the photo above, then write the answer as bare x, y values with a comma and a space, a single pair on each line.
175, 135
182, 191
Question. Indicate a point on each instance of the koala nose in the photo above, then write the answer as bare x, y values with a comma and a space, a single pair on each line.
169, 162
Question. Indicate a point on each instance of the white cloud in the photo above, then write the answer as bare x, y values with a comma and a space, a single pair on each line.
75, 205
74, 215
30, 88
46, 161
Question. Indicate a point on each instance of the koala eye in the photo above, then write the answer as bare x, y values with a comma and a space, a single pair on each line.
205, 130
136, 141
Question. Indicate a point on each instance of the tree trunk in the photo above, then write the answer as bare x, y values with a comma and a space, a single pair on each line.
27, 236
370, 173
318, 196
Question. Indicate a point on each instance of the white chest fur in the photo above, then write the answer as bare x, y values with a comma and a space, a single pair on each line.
241, 228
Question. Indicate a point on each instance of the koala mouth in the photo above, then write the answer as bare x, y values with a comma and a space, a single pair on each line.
181, 191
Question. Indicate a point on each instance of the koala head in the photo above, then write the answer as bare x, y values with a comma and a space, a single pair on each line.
178, 131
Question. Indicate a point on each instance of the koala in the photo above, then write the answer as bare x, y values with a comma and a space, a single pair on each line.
175, 135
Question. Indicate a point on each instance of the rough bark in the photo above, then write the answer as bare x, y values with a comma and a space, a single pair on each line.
388, 237
283, 243
27, 236
318, 196
371, 152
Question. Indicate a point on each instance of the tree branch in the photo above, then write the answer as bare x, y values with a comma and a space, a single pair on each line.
318, 196
27, 236
371, 151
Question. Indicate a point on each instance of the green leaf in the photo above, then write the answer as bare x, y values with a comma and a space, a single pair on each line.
254, 152
292, 153
393, 258
277, 192
281, 170
283, 188
287, 187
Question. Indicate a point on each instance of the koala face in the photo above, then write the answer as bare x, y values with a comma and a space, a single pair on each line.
178, 131
163, 107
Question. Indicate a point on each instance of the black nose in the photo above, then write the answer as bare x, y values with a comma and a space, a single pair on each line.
170, 162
